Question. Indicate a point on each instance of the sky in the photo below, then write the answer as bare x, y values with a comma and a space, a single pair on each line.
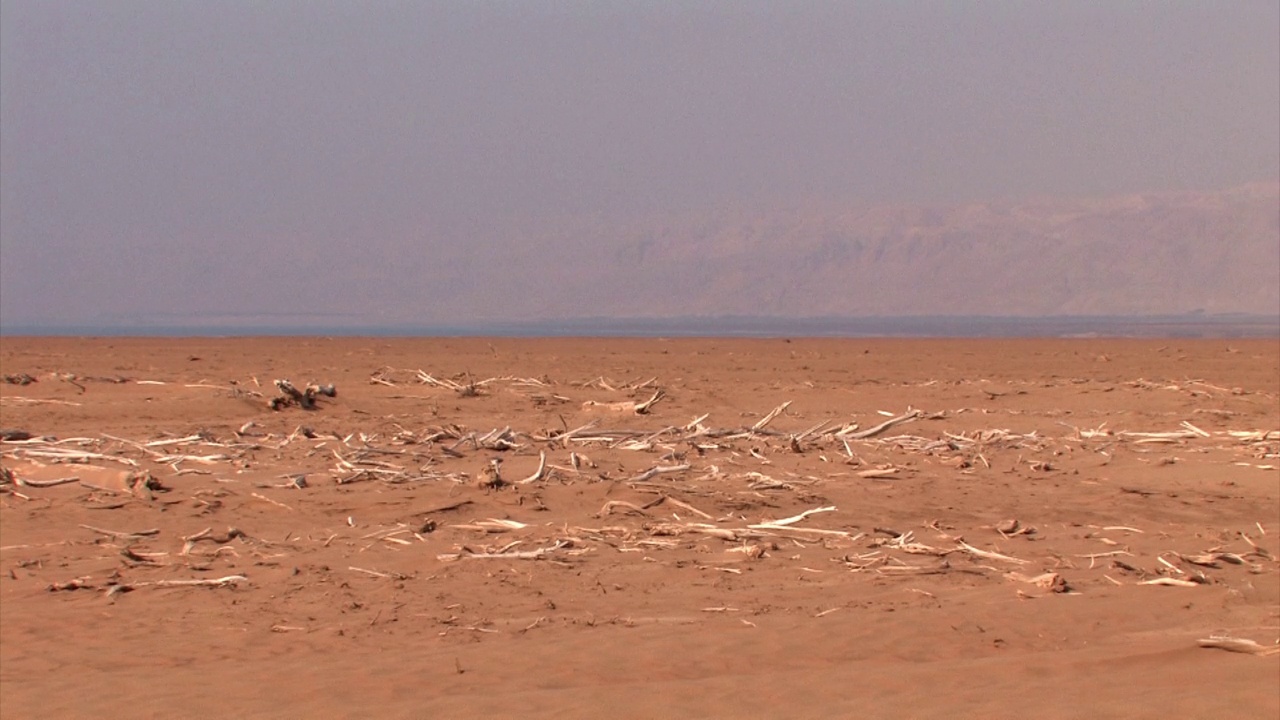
155, 155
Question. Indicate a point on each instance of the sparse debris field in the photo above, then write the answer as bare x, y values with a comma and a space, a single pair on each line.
543, 523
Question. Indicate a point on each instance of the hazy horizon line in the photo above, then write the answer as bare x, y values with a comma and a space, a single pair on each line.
1192, 324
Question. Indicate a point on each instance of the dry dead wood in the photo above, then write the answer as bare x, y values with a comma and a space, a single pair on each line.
1172, 582
1239, 645
774, 413
1212, 559
123, 535
1050, 581
19, 400
56, 454
680, 504
228, 581
644, 407
730, 534
872, 431
523, 555
797, 518
376, 573
657, 470
987, 555
25, 482
75, 584
538, 474
207, 534
609, 507
493, 525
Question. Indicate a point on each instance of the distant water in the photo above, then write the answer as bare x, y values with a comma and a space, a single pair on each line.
1224, 326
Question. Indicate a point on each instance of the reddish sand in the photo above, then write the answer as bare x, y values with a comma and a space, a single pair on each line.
368, 593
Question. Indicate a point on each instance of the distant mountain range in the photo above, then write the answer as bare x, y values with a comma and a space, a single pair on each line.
1133, 255
1156, 254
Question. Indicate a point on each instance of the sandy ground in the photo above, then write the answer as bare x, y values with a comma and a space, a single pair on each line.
997, 552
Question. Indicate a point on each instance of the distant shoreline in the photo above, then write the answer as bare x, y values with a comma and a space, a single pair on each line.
1190, 326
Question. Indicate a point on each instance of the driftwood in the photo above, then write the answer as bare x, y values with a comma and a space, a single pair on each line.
76, 584
987, 555
774, 413
26, 482
540, 473
644, 407
493, 525
123, 535
525, 555
872, 431
657, 470
228, 581
1239, 645
207, 534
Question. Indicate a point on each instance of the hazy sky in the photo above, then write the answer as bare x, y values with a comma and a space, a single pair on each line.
138, 140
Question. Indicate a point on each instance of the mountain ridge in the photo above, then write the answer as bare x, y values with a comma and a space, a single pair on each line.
1150, 253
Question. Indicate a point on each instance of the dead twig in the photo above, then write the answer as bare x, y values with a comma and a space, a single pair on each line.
770, 417
644, 407
525, 555
1239, 645
123, 535
540, 473
871, 431
659, 470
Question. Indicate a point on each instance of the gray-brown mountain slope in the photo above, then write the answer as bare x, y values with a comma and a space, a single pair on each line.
1142, 254
1133, 255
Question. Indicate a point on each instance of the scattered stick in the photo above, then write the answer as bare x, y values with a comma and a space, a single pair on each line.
1239, 645
190, 541
1172, 582
228, 581
273, 502
659, 470
35, 401
123, 535
686, 506
45, 483
526, 555
872, 431
541, 471
644, 407
770, 417
375, 573
631, 507
797, 518
212, 582
493, 525
76, 584
988, 555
